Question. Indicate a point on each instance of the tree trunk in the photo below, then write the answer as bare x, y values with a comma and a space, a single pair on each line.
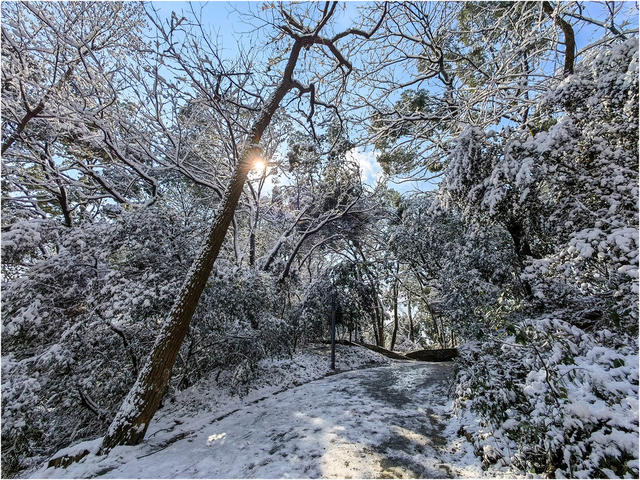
380, 320
569, 38
395, 315
138, 408
375, 330
252, 248
410, 317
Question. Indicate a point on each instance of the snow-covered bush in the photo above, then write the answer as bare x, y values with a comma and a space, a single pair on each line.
556, 387
78, 320
567, 195
471, 272
238, 322
591, 160
554, 398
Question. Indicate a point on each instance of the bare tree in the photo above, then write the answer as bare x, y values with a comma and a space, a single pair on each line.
138, 408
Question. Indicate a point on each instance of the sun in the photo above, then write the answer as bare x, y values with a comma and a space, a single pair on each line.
259, 165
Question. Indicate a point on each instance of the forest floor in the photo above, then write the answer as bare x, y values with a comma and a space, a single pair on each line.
385, 422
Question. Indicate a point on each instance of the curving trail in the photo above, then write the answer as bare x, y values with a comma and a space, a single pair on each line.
386, 422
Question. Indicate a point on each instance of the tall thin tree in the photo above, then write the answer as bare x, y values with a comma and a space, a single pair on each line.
138, 408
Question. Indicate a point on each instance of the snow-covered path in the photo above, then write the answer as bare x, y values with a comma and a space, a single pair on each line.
374, 423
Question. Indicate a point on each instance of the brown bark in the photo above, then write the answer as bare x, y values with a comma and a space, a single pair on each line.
569, 38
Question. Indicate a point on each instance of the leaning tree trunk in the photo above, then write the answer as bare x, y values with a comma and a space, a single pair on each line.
138, 408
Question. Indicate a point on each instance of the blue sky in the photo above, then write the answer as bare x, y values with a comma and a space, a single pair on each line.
221, 18
225, 21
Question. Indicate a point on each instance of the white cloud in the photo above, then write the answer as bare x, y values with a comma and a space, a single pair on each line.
370, 170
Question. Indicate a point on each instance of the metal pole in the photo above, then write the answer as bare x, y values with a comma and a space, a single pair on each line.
333, 335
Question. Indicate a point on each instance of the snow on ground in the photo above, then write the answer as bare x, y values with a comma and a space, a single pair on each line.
391, 421
272, 375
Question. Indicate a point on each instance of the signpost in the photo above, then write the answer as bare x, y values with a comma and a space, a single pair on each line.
333, 333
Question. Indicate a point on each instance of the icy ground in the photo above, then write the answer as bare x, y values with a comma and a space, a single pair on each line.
391, 421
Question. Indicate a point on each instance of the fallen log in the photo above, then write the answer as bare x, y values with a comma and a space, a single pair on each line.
384, 351
340, 342
63, 461
439, 355
74, 453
